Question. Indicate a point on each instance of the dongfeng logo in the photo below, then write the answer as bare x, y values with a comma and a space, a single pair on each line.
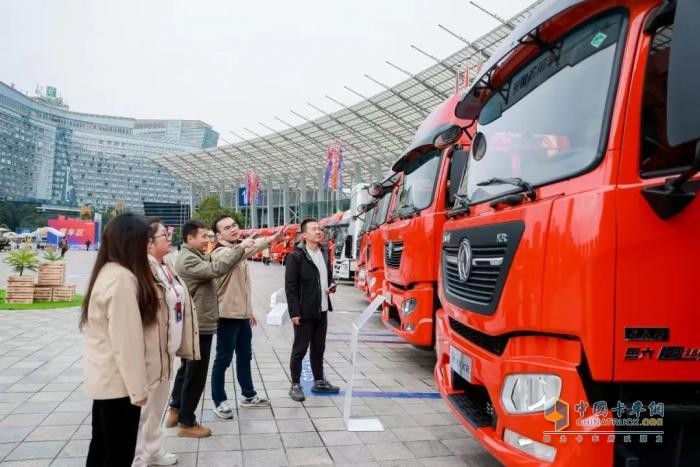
464, 259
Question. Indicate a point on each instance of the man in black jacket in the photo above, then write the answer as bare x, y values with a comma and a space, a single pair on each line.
308, 283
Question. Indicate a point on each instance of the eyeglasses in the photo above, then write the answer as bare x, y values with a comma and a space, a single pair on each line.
157, 236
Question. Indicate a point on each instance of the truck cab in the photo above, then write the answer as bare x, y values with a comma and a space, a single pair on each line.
281, 249
567, 333
347, 232
261, 233
361, 274
372, 240
412, 233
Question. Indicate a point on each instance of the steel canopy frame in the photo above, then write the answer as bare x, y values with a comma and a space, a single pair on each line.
370, 131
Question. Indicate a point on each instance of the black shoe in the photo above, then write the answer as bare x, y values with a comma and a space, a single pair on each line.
297, 393
324, 386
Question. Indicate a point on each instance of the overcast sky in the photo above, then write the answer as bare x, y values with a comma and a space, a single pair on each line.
230, 63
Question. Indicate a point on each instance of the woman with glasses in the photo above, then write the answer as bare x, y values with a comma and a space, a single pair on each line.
178, 335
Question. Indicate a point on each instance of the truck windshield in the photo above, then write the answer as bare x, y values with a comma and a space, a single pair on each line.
418, 183
381, 210
547, 122
367, 220
340, 234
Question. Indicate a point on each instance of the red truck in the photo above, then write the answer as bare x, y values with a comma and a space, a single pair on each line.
370, 278
280, 250
569, 328
413, 231
361, 276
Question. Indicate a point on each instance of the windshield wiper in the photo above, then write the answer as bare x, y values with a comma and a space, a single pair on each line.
515, 181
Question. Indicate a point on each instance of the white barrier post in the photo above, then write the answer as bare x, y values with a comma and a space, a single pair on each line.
278, 311
360, 424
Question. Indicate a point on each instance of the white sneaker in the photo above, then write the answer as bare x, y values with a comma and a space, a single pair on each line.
255, 401
166, 459
223, 410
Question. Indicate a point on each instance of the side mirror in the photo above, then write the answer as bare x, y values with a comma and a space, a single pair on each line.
478, 147
448, 137
458, 168
375, 190
683, 106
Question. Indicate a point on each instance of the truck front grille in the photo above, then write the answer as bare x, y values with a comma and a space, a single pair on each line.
392, 254
480, 285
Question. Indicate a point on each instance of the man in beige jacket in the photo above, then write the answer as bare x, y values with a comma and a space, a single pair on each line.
234, 332
198, 271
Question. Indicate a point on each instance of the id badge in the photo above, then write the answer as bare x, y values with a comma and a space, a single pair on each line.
178, 311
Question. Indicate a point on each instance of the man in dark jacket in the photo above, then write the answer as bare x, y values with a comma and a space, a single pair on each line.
308, 283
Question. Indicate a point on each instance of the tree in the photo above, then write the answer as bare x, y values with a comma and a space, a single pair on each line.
110, 213
210, 208
177, 236
120, 208
86, 212
14, 215
107, 216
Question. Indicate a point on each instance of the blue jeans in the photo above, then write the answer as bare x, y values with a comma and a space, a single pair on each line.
232, 335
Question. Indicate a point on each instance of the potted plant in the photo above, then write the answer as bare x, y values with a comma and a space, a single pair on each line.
23, 259
52, 256
52, 271
20, 288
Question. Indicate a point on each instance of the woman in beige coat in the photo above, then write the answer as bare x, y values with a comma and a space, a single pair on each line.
118, 313
177, 333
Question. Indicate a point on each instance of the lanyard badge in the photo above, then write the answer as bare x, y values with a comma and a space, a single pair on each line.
178, 310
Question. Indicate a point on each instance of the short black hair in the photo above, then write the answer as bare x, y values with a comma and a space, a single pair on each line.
191, 227
307, 221
214, 225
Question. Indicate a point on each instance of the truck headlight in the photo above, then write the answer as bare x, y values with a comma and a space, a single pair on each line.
408, 306
529, 392
530, 446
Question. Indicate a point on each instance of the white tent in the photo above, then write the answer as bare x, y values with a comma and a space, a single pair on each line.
44, 231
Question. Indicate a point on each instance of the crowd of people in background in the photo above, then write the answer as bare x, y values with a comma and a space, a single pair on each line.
146, 305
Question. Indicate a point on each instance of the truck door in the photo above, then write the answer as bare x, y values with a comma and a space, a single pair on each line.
656, 317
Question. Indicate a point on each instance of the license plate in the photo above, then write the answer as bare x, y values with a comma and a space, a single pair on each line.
461, 364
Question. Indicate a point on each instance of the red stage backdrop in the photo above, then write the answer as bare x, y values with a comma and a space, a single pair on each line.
76, 231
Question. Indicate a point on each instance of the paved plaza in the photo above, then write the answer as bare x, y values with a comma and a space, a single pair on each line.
45, 413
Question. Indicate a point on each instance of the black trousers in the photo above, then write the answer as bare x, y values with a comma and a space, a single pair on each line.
309, 332
115, 425
190, 381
